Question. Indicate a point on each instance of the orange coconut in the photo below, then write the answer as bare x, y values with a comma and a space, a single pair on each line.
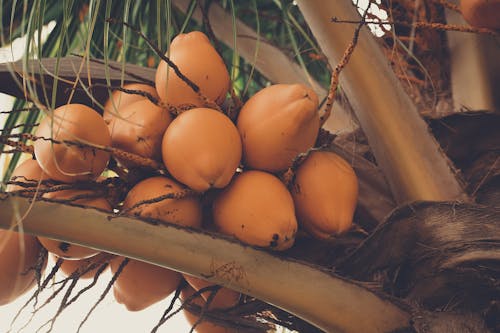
481, 13
276, 124
257, 209
19, 253
202, 149
70, 163
138, 128
18, 256
198, 60
30, 174
141, 285
325, 192
185, 211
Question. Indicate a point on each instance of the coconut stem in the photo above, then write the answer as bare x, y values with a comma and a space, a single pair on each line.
408, 155
325, 300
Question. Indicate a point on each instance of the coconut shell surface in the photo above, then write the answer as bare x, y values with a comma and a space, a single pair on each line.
257, 209
69, 163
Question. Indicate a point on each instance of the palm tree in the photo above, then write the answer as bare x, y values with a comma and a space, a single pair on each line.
424, 253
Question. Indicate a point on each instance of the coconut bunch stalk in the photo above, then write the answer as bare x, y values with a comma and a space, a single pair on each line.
331, 303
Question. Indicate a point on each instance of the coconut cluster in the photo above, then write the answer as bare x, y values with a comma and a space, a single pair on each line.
233, 164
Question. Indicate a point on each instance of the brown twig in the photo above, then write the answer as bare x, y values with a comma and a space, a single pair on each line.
35, 295
412, 79
204, 7
449, 5
19, 126
142, 93
425, 25
288, 176
19, 110
120, 154
189, 299
62, 304
122, 265
177, 294
334, 82
485, 177
205, 307
101, 266
18, 145
136, 159
233, 110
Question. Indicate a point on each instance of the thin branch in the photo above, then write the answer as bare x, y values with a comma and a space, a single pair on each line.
424, 25
169, 196
336, 72
448, 5
121, 154
165, 314
122, 265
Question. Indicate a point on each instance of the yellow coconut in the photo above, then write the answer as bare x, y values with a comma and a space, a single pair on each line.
19, 253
